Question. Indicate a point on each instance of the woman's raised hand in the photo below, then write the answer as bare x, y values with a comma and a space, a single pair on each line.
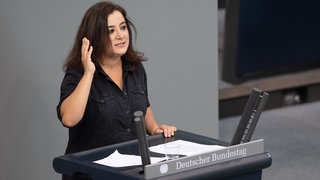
86, 52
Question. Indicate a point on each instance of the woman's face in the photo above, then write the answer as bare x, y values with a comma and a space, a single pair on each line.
118, 33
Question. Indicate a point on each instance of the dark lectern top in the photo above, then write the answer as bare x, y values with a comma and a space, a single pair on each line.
82, 162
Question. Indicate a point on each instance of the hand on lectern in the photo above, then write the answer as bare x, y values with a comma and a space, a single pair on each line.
167, 130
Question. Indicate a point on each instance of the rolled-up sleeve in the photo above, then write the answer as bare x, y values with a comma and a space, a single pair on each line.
69, 83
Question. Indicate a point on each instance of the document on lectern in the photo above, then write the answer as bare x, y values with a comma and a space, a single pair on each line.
122, 160
187, 148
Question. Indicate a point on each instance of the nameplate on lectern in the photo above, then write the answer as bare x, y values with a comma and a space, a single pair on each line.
201, 160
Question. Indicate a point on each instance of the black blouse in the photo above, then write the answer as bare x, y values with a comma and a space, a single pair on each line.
108, 118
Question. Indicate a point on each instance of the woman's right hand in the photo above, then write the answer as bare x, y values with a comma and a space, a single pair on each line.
73, 107
86, 52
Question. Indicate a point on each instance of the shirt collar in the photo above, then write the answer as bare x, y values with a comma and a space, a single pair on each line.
125, 69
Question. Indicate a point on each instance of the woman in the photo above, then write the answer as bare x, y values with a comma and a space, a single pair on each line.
105, 83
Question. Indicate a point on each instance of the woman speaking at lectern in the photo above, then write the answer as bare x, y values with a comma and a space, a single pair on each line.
105, 83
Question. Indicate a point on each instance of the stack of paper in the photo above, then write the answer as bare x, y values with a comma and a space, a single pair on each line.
186, 148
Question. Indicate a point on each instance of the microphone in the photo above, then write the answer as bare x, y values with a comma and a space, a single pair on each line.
249, 119
142, 138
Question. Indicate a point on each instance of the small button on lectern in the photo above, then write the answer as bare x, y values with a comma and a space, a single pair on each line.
226, 163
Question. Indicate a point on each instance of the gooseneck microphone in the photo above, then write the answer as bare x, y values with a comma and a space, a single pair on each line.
142, 138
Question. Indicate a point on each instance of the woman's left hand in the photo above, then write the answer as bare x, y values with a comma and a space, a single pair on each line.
167, 130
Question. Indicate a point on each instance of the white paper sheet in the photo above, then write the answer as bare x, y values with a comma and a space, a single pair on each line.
122, 160
187, 148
